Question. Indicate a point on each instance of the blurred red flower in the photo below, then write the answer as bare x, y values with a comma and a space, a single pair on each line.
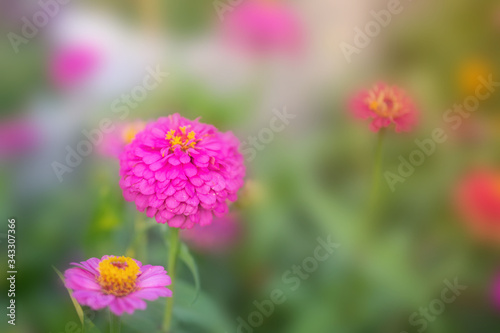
477, 199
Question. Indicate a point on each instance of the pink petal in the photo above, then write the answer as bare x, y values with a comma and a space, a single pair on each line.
77, 279
176, 221
152, 294
94, 299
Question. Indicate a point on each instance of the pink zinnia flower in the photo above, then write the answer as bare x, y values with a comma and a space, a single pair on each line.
217, 237
114, 142
496, 292
121, 283
18, 135
72, 65
385, 105
181, 171
263, 26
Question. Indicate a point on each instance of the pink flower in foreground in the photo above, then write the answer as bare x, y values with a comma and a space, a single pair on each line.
72, 65
217, 237
181, 171
114, 142
385, 105
263, 26
121, 283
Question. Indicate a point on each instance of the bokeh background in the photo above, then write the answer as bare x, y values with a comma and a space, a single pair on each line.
233, 67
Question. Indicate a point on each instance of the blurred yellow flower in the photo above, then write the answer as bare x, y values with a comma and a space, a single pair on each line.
469, 72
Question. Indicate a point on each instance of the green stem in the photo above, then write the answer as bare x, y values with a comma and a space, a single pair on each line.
377, 170
174, 245
114, 323
141, 241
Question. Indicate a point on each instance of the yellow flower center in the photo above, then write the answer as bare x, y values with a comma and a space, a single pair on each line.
384, 103
182, 138
118, 275
130, 131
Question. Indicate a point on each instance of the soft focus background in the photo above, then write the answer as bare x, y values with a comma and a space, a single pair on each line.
235, 66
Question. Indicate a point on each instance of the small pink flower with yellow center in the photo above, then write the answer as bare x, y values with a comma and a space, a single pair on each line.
129, 131
114, 142
121, 283
385, 105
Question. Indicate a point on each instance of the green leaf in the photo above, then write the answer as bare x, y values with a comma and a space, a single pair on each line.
188, 259
78, 308
204, 316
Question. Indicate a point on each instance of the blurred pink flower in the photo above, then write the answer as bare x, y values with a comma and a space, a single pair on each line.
263, 26
477, 199
122, 283
385, 105
217, 237
72, 65
495, 292
181, 171
114, 142
18, 136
